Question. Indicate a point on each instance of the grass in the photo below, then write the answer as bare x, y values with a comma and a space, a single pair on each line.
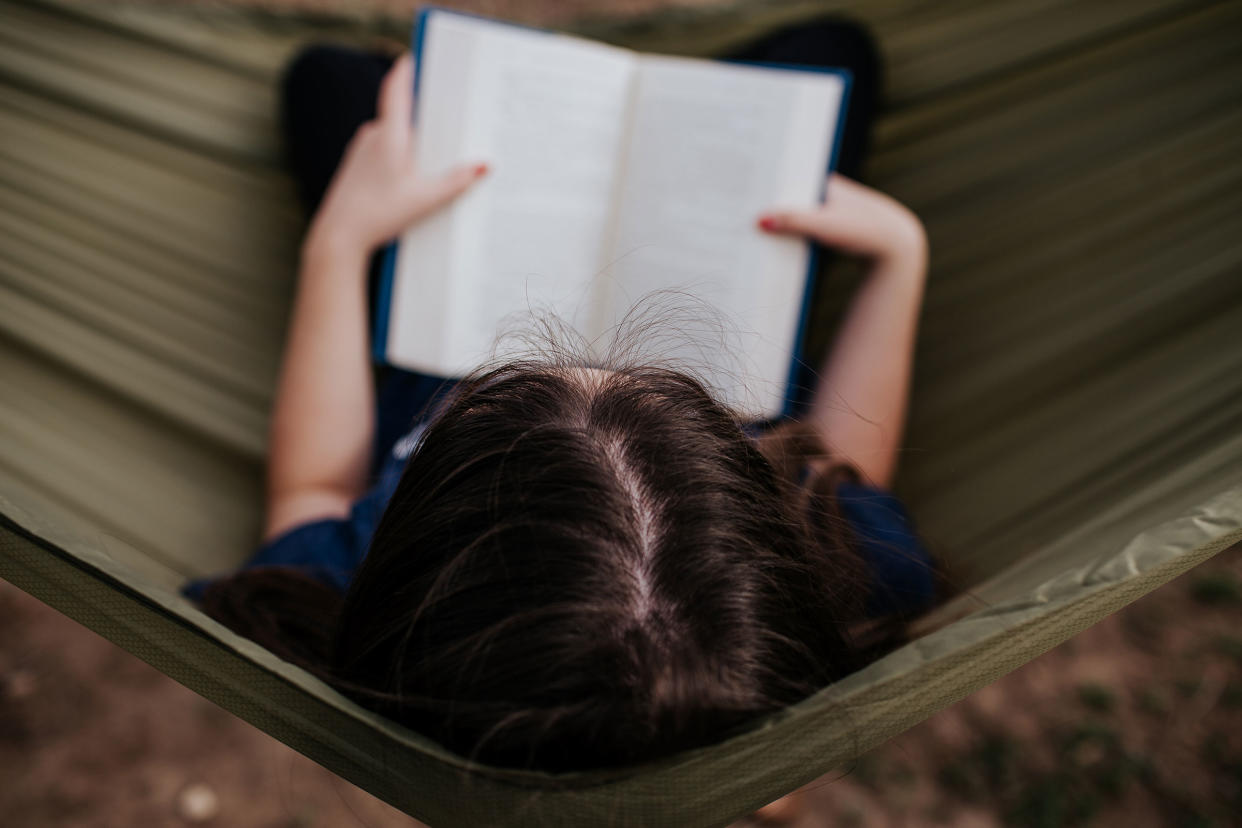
1229, 645
1097, 698
1217, 589
1163, 745
1091, 768
1188, 686
1231, 696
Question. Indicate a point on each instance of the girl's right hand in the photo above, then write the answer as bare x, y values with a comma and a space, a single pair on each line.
855, 219
376, 193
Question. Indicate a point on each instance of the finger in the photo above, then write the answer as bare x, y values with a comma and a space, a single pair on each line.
803, 221
396, 97
791, 222
437, 192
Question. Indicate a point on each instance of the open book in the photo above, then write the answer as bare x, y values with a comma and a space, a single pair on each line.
613, 175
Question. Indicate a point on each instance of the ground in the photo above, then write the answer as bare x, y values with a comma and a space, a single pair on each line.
1137, 721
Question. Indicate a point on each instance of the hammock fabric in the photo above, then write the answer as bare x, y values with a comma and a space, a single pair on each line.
1077, 415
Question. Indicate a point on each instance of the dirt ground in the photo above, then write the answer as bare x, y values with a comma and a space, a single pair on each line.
1136, 722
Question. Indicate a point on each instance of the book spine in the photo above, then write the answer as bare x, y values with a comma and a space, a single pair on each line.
388, 268
813, 259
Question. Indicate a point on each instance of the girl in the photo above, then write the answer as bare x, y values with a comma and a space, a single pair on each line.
561, 566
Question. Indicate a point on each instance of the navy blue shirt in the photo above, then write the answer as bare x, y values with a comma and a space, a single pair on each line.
332, 549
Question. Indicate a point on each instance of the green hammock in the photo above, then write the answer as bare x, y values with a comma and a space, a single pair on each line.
1076, 433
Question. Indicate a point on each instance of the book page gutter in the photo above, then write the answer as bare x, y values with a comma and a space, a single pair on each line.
546, 112
420, 289
712, 146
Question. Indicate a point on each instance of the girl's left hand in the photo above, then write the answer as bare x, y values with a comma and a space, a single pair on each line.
858, 220
376, 193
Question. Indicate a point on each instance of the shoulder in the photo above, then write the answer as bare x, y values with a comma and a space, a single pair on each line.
874, 508
327, 549
901, 568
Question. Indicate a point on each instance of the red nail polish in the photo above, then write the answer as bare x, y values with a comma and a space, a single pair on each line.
480, 169
767, 223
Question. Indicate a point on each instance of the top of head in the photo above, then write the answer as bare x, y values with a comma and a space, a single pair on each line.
586, 569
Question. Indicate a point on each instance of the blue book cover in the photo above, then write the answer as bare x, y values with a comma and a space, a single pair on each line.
383, 308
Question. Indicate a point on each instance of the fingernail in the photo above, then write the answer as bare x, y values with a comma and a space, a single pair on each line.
480, 170
768, 223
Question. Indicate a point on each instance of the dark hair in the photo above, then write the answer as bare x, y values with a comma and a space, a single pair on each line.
586, 570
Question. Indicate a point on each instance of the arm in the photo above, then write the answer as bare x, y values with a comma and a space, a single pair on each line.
859, 408
323, 418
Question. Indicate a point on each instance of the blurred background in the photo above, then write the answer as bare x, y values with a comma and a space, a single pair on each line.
1088, 151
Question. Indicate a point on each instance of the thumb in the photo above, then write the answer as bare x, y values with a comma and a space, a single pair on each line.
430, 194
791, 222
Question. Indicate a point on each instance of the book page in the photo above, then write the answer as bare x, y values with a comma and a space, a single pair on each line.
547, 112
712, 146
